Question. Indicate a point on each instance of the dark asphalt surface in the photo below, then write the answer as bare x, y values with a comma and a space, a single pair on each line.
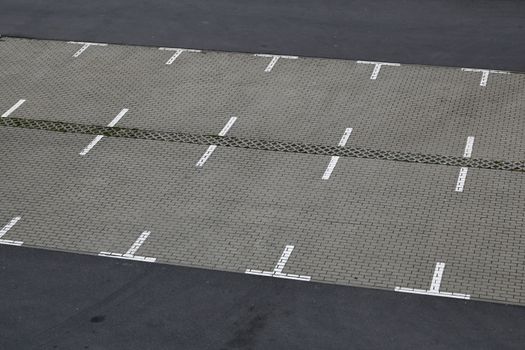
55, 300
467, 33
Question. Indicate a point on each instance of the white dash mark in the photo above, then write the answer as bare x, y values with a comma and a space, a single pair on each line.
227, 127
5, 229
271, 64
484, 74
434, 286
438, 276
84, 46
212, 148
177, 53
284, 259
278, 270
377, 67
274, 60
460, 184
468, 147
118, 117
462, 177
138, 243
206, 155
330, 167
99, 137
12, 109
333, 161
345, 137
130, 254
91, 145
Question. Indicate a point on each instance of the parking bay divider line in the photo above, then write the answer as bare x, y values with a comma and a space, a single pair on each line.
84, 47
212, 148
484, 74
377, 67
462, 177
434, 286
99, 137
13, 108
6, 229
274, 59
130, 254
278, 269
177, 53
335, 159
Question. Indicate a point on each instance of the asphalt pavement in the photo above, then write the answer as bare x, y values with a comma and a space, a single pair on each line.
479, 34
56, 300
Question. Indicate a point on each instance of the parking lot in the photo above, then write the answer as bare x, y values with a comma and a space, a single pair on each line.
419, 228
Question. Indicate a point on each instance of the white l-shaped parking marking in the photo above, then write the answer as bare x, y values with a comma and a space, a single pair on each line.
84, 47
377, 67
278, 269
434, 286
484, 74
177, 53
274, 59
130, 254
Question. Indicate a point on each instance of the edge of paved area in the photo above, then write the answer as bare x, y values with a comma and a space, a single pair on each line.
92, 302
194, 267
483, 34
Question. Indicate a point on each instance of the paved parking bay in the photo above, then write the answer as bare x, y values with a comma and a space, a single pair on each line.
373, 223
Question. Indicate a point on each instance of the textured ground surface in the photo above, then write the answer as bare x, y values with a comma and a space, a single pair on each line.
54, 300
482, 33
373, 223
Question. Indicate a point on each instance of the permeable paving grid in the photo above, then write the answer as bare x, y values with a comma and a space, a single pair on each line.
400, 177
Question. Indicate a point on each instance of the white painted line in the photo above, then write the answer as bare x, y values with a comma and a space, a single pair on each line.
274, 60
333, 161
130, 254
138, 243
377, 67
12, 109
277, 271
462, 177
9, 225
345, 137
6, 228
227, 127
460, 184
434, 286
284, 259
330, 167
212, 148
177, 53
484, 74
206, 155
91, 145
468, 147
127, 257
118, 117
84, 47
99, 137
438, 276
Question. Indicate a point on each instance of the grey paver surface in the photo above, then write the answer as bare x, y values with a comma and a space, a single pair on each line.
374, 223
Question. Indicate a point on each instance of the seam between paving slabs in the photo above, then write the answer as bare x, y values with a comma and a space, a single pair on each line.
265, 145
